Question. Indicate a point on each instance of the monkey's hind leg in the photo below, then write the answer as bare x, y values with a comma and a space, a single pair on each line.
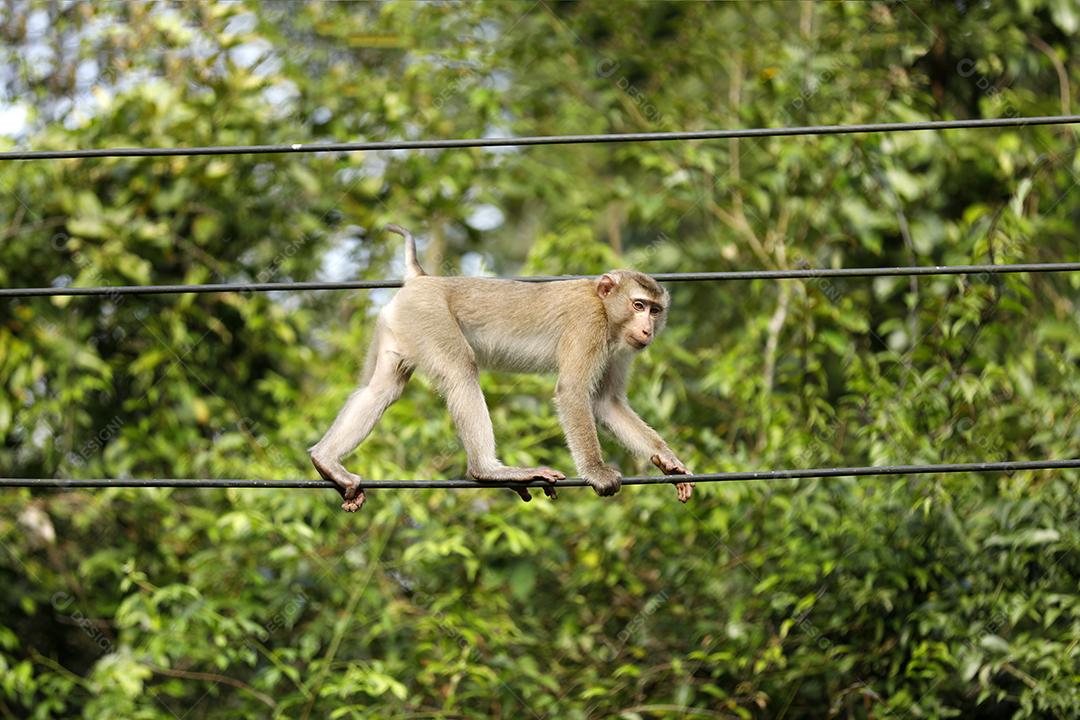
386, 377
458, 378
470, 413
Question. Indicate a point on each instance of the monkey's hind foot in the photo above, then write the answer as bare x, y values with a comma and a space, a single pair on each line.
517, 474
348, 485
521, 474
354, 499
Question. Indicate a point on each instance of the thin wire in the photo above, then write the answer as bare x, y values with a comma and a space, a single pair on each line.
881, 470
811, 273
542, 139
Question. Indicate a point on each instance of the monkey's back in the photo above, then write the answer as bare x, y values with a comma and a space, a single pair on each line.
509, 324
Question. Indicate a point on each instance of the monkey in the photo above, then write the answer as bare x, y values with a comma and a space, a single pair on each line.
588, 331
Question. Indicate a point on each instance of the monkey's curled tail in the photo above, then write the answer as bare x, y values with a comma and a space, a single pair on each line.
412, 266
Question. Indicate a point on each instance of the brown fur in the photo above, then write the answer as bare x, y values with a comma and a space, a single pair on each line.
587, 331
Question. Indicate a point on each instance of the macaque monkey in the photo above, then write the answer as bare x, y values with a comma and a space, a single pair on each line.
449, 327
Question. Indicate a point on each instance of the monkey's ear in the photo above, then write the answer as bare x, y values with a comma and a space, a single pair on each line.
605, 285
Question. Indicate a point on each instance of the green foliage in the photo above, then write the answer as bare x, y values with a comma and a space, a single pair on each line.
933, 596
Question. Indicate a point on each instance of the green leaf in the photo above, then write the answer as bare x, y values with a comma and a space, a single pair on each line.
522, 580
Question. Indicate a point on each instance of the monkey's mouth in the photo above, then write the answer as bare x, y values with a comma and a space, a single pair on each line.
637, 344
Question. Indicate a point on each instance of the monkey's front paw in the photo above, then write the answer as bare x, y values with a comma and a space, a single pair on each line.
684, 490
604, 479
669, 464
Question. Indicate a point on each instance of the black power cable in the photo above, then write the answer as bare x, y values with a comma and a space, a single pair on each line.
881, 470
542, 139
805, 273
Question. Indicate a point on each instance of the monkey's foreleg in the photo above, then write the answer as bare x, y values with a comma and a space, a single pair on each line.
579, 426
354, 423
636, 435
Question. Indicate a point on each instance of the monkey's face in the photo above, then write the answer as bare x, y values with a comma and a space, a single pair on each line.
645, 320
636, 306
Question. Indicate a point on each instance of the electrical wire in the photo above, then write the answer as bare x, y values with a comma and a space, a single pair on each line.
800, 273
540, 139
457, 484
803, 273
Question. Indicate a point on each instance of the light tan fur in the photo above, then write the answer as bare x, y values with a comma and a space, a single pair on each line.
587, 331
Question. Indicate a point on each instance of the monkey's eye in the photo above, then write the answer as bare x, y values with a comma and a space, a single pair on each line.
655, 310
638, 305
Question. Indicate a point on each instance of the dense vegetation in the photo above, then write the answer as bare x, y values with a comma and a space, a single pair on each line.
927, 596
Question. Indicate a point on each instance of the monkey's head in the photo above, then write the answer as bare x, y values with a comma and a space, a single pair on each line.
636, 306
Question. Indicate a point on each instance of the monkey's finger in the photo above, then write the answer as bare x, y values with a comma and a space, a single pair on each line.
526, 496
669, 467
551, 492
